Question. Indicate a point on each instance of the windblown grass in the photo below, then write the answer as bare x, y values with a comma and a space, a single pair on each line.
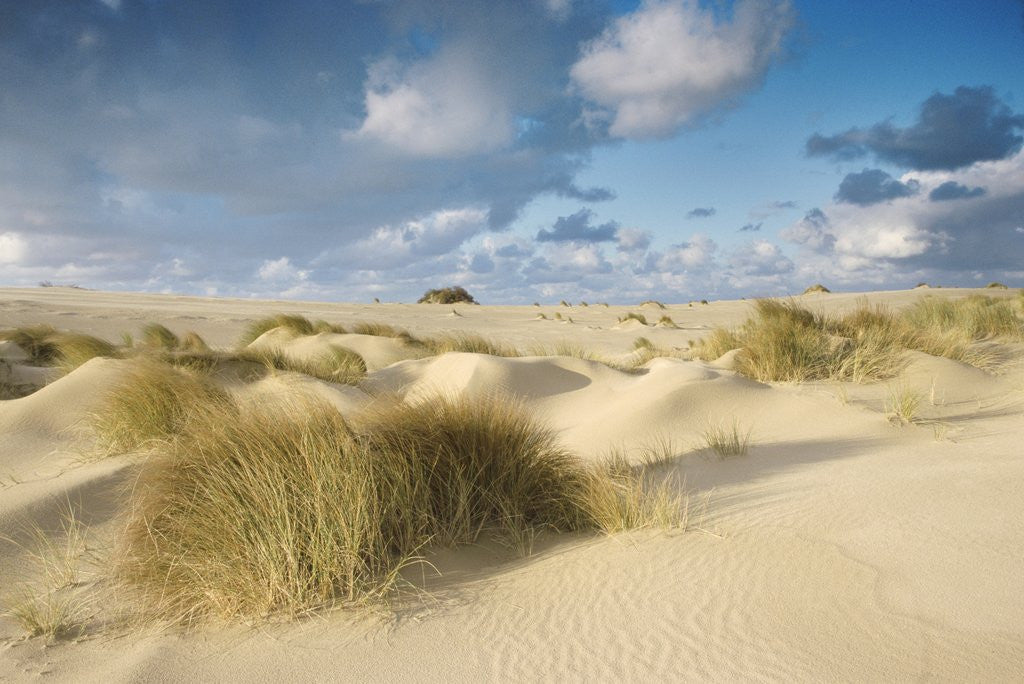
379, 330
152, 401
157, 336
337, 364
298, 325
49, 347
192, 342
284, 508
468, 342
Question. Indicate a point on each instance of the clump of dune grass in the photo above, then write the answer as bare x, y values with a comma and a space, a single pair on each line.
995, 285
337, 364
974, 318
377, 329
632, 316
151, 401
817, 287
284, 508
34, 340
623, 497
727, 439
582, 303
902, 404
47, 346
564, 303
469, 343
157, 336
642, 343
74, 349
667, 322
192, 342
717, 343
298, 325
653, 302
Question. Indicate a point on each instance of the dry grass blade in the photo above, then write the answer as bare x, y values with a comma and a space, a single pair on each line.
157, 336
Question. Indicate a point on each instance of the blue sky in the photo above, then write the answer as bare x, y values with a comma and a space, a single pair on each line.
528, 150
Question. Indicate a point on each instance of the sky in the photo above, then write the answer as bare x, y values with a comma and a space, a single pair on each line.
528, 150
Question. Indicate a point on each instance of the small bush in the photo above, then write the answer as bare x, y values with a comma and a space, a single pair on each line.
996, 286
447, 295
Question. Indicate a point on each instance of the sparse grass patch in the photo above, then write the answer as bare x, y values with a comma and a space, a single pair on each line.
378, 329
727, 439
902, 404
642, 343
653, 302
634, 317
46, 606
284, 508
667, 322
470, 343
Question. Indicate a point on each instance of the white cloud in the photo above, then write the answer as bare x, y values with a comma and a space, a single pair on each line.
13, 248
387, 247
695, 255
281, 270
671, 61
445, 106
979, 230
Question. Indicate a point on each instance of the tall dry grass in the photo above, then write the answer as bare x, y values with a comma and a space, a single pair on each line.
281, 508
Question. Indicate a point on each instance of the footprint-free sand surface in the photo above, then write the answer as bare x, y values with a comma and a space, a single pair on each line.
841, 547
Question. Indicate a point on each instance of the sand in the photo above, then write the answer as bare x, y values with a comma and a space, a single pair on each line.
842, 547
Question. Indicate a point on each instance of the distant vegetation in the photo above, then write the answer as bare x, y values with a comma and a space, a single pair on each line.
447, 295
785, 341
817, 288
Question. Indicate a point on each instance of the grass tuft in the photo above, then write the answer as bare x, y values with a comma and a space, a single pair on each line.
727, 439
902, 404
633, 316
817, 287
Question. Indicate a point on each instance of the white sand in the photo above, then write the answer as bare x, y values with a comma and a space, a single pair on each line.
842, 547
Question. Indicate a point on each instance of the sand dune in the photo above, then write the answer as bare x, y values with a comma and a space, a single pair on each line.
841, 547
